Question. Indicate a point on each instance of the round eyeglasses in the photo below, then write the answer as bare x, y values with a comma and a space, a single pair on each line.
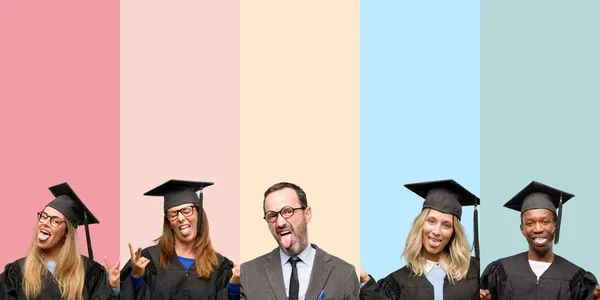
286, 212
54, 220
186, 212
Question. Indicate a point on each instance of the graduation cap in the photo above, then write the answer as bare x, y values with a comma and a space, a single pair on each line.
69, 204
538, 195
449, 197
177, 192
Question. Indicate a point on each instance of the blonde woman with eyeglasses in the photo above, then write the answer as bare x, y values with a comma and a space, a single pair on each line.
54, 268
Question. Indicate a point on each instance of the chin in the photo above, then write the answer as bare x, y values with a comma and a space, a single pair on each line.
432, 251
541, 250
42, 246
186, 239
292, 251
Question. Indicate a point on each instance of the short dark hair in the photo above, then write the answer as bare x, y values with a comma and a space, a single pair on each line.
282, 185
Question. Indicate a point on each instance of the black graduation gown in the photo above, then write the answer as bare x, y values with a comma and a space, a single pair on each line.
95, 286
175, 282
404, 285
512, 278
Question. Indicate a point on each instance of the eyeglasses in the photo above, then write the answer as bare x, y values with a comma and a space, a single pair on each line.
54, 220
186, 212
286, 212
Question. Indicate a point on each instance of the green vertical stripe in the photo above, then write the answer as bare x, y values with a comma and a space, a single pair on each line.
540, 119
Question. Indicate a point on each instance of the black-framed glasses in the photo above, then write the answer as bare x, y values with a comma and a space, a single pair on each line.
54, 220
286, 212
186, 212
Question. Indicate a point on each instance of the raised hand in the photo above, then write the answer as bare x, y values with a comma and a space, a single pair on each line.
114, 276
138, 262
364, 276
235, 277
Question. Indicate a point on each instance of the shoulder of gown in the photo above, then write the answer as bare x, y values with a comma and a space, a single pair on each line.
582, 283
224, 266
385, 288
11, 278
493, 274
93, 268
96, 280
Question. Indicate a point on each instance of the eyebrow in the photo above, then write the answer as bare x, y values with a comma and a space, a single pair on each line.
49, 215
434, 218
540, 219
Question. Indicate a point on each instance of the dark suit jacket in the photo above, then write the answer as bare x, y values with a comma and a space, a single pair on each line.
262, 278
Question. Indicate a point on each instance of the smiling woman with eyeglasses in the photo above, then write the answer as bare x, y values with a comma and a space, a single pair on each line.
183, 264
53, 268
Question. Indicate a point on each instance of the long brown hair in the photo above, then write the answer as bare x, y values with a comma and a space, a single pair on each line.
69, 272
205, 255
455, 258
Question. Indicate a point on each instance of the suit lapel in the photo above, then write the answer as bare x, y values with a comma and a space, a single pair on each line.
320, 273
275, 274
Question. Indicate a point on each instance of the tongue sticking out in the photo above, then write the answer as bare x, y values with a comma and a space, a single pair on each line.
540, 241
433, 243
185, 231
42, 236
286, 240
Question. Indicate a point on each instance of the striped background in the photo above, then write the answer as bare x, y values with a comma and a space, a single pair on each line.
348, 99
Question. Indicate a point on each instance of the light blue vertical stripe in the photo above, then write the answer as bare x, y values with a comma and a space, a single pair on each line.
419, 115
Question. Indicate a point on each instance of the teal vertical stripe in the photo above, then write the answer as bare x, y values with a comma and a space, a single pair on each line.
540, 119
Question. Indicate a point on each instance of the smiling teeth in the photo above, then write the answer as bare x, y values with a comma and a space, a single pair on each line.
184, 227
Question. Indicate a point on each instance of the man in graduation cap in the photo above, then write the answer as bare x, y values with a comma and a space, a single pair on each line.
183, 264
438, 256
296, 269
54, 253
537, 273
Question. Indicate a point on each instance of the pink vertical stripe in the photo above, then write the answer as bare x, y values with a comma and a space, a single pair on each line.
180, 66
59, 116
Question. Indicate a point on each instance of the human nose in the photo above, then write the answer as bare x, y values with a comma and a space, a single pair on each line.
180, 216
537, 227
280, 220
437, 229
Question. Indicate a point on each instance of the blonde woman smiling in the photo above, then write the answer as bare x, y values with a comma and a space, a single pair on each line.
438, 256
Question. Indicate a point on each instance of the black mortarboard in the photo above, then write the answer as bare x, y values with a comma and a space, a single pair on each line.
538, 195
69, 204
449, 197
177, 192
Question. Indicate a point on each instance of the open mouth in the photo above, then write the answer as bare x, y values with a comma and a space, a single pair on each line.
44, 235
185, 229
434, 243
286, 238
540, 241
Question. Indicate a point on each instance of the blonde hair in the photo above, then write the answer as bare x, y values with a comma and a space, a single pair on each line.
205, 256
455, 258
69, 272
